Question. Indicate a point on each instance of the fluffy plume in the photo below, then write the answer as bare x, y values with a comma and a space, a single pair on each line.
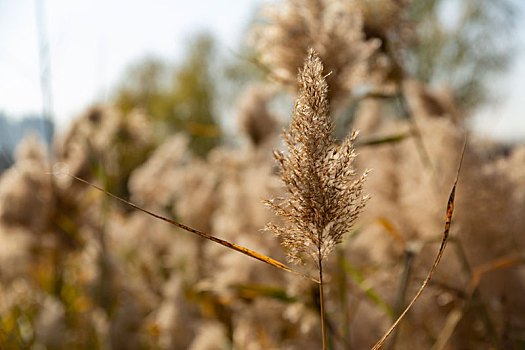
26, 196
254, 118
324, 194
335, 29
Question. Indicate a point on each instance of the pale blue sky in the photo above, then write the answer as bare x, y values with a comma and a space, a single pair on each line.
93, 41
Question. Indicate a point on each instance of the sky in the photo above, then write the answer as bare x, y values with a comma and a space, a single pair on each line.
92, 42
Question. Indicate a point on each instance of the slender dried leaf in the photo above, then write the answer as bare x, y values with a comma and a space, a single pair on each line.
450, 209
392, 231
227, 244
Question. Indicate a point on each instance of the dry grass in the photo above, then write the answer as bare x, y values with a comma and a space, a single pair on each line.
80, 271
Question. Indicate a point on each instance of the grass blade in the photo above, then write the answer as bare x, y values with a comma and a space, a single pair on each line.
359, 279
222, 242
450, 209
385, 139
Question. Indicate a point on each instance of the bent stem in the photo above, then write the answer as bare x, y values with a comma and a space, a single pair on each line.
222, 242
321, 302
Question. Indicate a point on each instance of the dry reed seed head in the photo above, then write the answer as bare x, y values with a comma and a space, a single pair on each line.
254, 118
26, 194
324, 193
15, 258
50, 324
31, 149
432, 103
105, 135
210, 335
152, 183
386, 20
336, 30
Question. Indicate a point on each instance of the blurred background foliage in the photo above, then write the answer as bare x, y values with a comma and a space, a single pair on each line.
179, 97
464, 44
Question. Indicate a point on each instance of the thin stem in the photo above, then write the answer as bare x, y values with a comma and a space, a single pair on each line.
321, 302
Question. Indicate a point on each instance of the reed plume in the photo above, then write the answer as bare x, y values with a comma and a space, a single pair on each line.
337, 30
325, 194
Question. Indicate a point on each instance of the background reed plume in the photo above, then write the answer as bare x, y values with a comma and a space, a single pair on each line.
324, 194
